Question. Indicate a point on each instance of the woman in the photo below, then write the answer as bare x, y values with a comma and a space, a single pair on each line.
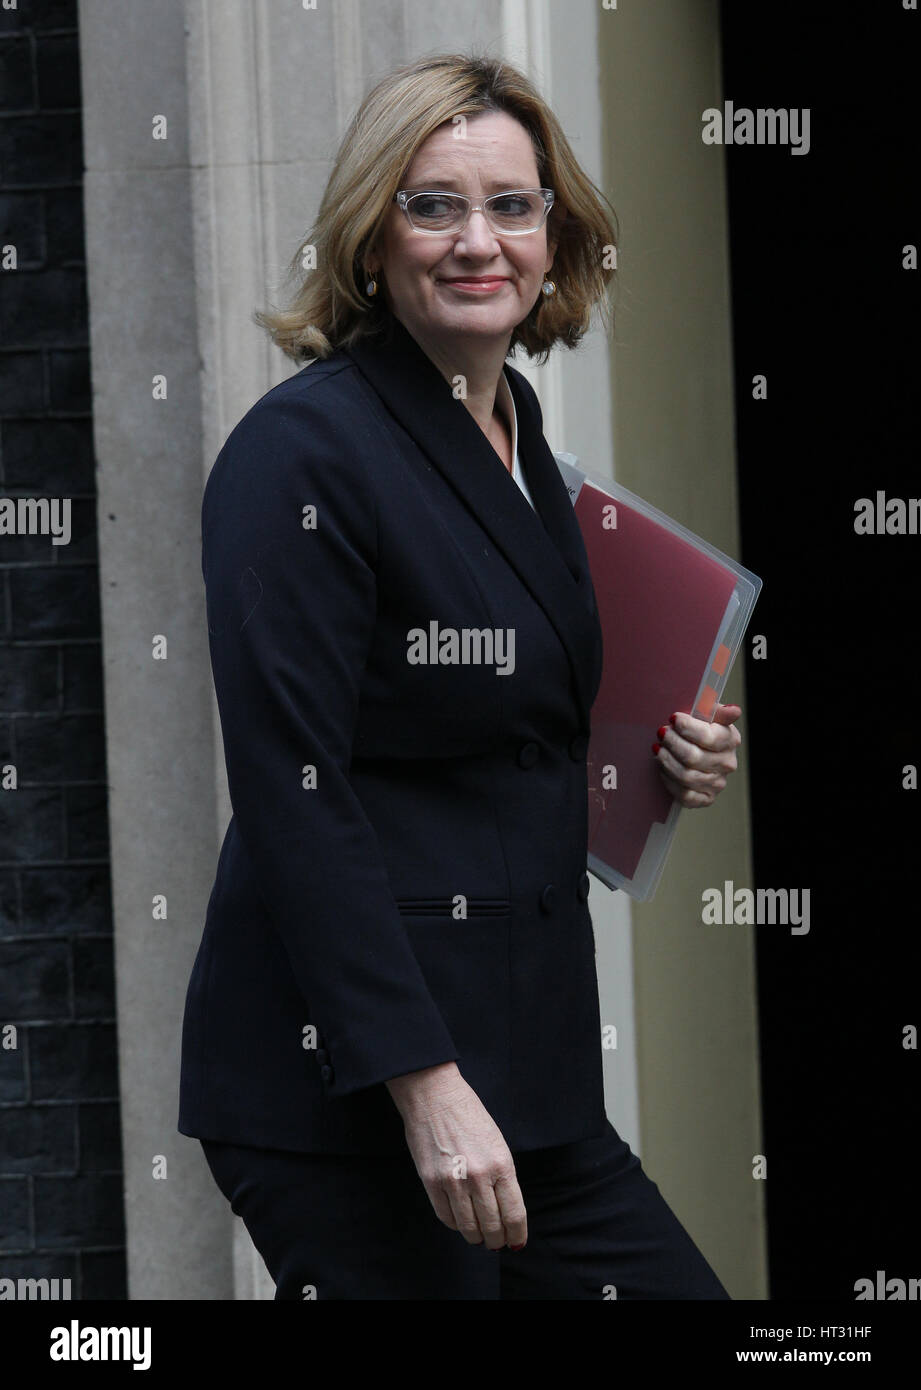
391, 1047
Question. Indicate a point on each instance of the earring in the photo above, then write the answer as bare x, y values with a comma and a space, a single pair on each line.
371, 287
548, 287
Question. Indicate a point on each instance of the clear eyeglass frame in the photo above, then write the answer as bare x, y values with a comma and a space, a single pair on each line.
404, 197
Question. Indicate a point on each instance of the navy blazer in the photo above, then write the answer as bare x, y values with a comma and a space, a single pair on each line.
403, 880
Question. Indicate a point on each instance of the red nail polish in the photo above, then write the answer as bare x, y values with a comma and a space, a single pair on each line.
516, 1247
661, 732
671, 719
656, 747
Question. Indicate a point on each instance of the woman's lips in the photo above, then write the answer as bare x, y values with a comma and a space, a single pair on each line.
477, 286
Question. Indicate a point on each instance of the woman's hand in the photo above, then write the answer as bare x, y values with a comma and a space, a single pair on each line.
465, 1165
695, 757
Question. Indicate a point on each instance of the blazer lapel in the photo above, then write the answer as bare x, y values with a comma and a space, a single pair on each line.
546, 550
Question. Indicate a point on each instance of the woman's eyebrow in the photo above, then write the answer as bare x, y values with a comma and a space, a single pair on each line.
448, 183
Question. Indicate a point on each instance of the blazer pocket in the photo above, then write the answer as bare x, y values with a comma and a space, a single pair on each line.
467, 967
444, 907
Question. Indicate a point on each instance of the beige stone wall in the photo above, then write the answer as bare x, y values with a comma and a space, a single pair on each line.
695, 988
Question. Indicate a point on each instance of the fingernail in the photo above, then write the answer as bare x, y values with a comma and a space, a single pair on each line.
672, 718
517, 1247
656, 747
661, 732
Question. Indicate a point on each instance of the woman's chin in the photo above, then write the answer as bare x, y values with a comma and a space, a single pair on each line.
473, 319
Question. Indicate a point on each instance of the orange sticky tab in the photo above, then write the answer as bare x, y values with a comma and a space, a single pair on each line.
706, 702
721, 659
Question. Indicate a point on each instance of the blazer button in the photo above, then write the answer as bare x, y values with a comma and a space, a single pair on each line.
326, 1073
582, 888
578, 747
547, 897
322, 1054
528, 754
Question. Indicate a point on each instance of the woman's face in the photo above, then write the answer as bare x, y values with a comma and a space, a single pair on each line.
493, 154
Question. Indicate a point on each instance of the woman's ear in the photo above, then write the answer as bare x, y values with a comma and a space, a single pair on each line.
553, 239
371, 260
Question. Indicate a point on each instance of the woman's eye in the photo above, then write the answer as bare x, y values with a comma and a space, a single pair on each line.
513, 206
433, 207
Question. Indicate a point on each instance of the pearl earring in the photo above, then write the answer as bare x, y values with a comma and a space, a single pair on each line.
371, 288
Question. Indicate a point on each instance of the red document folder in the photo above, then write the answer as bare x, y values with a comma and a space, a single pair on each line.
673, 612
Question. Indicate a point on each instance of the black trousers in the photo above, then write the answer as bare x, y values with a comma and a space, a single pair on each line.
356, 1227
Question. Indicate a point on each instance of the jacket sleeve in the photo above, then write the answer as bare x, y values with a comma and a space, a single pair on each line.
291, 608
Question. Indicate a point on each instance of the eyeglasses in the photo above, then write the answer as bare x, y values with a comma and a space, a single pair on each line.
512, 213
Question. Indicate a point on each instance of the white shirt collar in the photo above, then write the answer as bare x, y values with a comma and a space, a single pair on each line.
506, 401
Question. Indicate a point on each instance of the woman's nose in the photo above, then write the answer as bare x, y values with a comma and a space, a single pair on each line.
477, 236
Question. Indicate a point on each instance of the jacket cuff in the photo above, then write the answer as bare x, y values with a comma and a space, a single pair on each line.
348, 1065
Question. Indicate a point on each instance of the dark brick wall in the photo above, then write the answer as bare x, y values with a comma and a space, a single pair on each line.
61, 1203
841, 420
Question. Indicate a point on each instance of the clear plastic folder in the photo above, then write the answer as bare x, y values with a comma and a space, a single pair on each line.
673, 612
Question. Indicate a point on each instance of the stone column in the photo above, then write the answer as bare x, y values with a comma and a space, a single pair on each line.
146, 370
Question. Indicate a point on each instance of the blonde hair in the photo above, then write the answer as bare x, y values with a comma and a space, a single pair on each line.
330, 308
